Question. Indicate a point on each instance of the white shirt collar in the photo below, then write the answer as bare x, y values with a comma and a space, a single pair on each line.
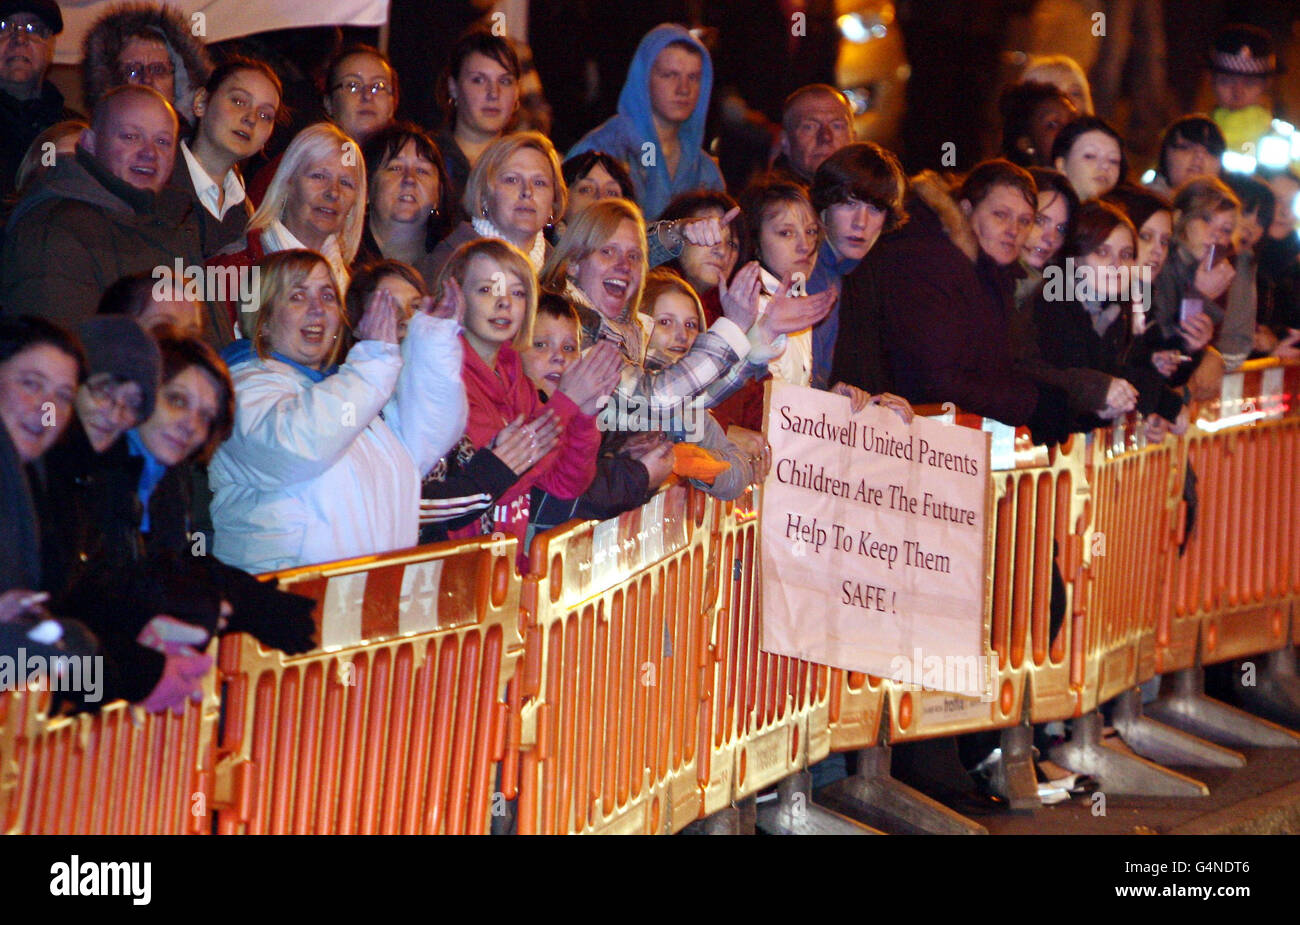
208, 191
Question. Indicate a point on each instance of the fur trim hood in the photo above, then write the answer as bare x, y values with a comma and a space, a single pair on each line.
105, 40
935, 192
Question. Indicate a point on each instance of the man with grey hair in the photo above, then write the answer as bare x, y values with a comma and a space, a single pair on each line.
816, 121
101, 215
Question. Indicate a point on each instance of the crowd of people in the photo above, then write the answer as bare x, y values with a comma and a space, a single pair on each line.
393, 333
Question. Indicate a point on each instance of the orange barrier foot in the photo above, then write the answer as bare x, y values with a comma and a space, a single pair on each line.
1117, 771
793, 812
1165, 744
1189, 709
875, 798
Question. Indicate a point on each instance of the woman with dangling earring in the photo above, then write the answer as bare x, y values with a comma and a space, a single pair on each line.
408, 212
514, 192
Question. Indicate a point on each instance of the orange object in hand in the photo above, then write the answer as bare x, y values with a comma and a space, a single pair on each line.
695, 462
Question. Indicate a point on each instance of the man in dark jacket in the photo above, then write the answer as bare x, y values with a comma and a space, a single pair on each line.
933, 307
29, 103
105, 214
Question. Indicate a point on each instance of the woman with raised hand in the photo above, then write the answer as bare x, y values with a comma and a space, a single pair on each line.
601, 265
316, 202
514, 191
326, 458
1086, 336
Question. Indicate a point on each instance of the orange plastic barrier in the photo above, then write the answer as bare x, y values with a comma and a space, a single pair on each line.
614, 691
1233, 590
397, 723
643, 700
1038, 496
770, 712
1138, 515
119, 771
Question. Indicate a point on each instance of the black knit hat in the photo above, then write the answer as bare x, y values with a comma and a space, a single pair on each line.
46, 10
1244, 50
115, 344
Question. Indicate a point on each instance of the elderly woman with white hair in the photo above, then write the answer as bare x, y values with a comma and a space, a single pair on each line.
316, 202
514, 191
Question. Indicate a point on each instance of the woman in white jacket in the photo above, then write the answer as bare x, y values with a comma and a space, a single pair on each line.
325, 461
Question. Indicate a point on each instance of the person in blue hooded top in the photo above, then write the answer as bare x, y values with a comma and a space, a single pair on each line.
659, 128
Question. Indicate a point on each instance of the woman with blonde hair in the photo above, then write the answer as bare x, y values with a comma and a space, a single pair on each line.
514, 191
494, 283
325, 460
316, 202
1064, 73
601, 265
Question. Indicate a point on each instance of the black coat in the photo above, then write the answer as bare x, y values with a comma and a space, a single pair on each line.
944, 314
1068, 343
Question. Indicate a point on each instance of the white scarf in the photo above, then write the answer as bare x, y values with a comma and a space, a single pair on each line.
536, 255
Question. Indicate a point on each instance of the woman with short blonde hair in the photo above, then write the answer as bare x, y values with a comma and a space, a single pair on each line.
514, 191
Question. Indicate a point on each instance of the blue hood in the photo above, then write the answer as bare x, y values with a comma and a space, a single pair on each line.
627, 134
634, 101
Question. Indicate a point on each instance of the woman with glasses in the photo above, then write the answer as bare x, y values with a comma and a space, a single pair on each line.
360, 98
144, 43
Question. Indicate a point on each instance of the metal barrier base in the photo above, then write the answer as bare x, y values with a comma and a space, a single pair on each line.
874, 797
1116, 771
794, 812
1276, 693
1012, 775
1164, 744
1187, 707
736, 819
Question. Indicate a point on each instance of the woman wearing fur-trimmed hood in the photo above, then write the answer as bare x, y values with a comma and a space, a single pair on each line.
138, 29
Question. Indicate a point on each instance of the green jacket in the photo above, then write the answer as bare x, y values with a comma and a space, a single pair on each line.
80, 230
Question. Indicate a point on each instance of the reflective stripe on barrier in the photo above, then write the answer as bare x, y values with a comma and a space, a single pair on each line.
770, 712
613, 694
1234, 588
396, 726
119, 771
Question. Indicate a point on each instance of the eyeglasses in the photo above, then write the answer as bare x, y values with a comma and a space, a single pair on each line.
104, 394
33, 30
356, 86
137, 70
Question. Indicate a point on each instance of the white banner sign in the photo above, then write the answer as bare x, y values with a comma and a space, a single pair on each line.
218, 20
874, 541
